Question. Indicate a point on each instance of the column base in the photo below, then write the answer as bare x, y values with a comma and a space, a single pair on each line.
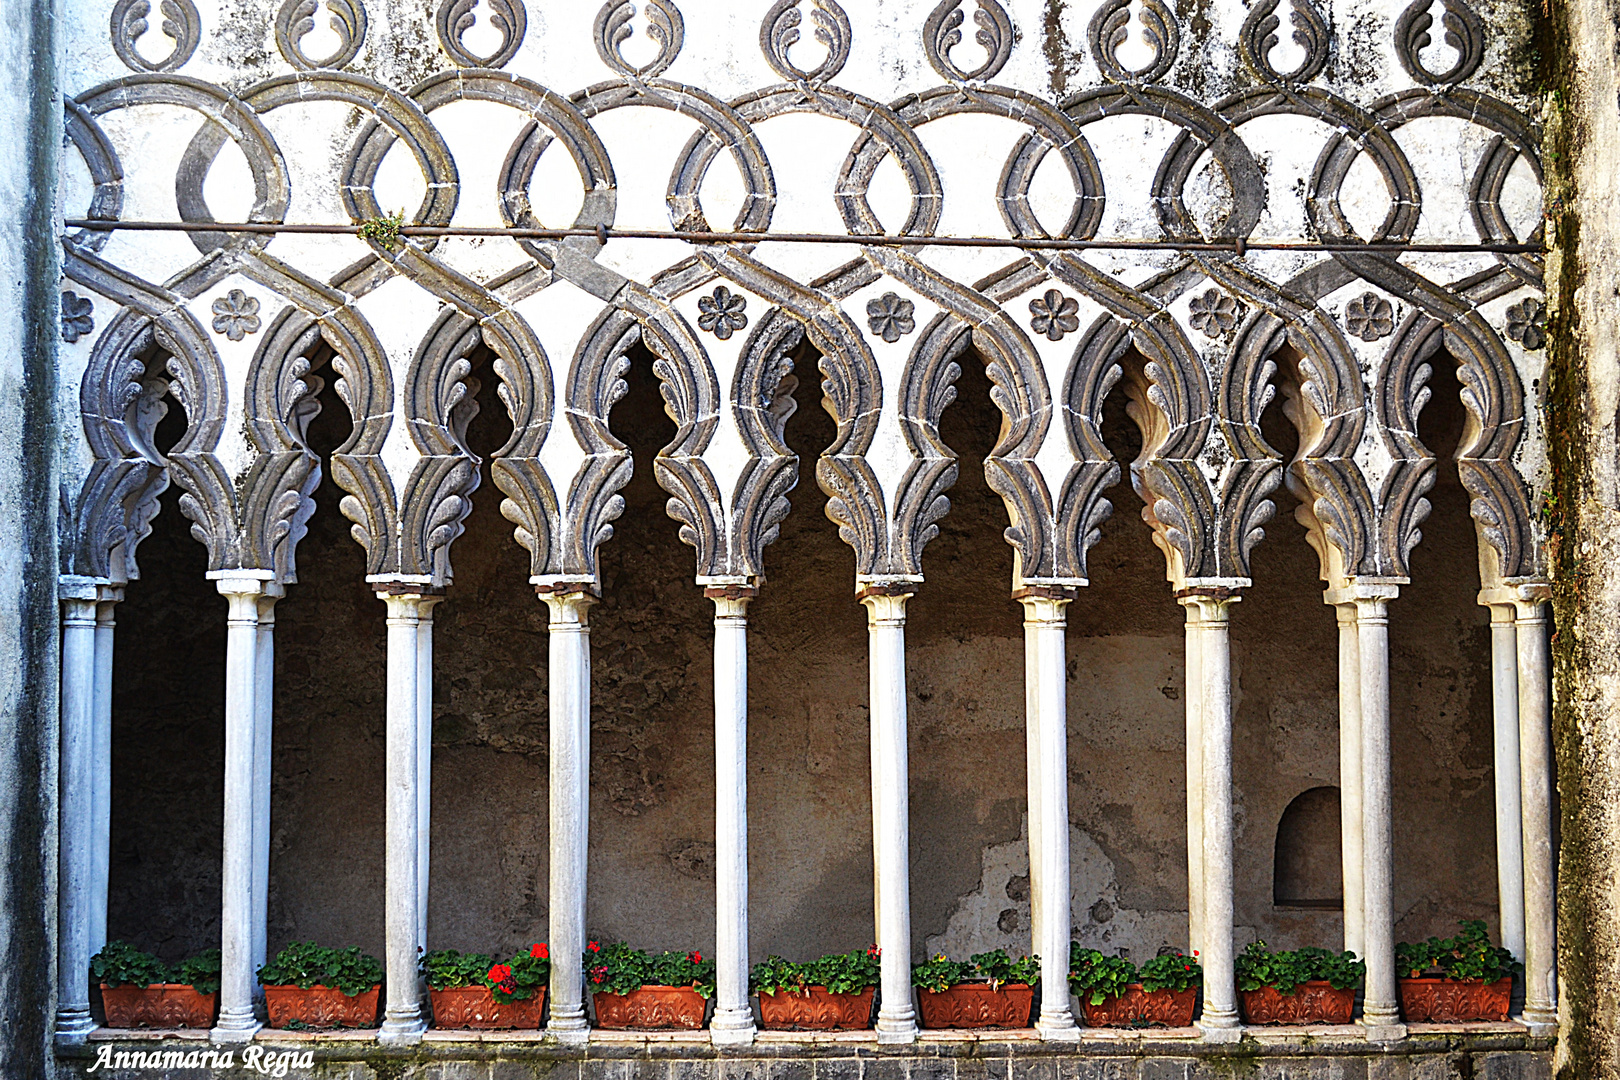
569, 1031
1541, 1022
732, 1030
401, 1031
897, 1027
1220, 1031
1057, 1029
73, 1026
235, 1027
1383, 1029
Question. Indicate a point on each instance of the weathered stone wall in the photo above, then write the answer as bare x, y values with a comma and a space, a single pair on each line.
810, 827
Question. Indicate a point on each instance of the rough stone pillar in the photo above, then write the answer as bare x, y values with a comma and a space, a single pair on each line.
243, 590
1195, 783
1046, 699
1350, 821
424, 759
1509, 808
75, 862
733, 1021
1208, 618
1380, 1012
107, 598
263, 730
570, 751
891, 842
403, 1019
1536, 790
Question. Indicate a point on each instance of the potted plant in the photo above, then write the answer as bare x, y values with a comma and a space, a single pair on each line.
309, 986
833, 993
139, 990
1305, 986
631, 988
989, 990
468, 990
1471, 978
1114, 993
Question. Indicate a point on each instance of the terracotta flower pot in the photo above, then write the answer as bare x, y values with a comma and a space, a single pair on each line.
976, 1005
1314, 1002
651, 1007
1171, 1008
476, 1007
1454, 1001
161, 1005
320, 1007
816, 1009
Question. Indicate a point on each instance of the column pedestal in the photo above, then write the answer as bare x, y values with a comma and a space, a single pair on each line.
733, 1020
886, 650
243, 590
570, 697
1046, 701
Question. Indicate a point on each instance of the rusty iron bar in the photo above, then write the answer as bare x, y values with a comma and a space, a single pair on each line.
601, 233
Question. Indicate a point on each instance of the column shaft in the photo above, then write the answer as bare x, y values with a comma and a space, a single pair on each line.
1509, 800
263, 729
886, 640
424, 759
1380, 1009
1195, 783
403, 1020
733, 1020
570, 696
75, 862
237, 984
1046, 695
1219, 1019
101, 770
1352, 840
1536, 779
1032, 779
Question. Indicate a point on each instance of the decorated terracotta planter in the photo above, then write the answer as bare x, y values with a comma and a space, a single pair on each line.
976, 1005
1136, 1007
320, 1007
1314, 1002
816, 1009
161, 1005
476, 1007
651, 1007
1454, 1001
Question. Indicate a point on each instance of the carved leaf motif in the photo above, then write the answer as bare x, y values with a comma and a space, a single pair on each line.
780, 30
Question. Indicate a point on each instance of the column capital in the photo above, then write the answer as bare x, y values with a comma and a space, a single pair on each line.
885, 603
1352, 590
730, 601
1208, 604
569, 603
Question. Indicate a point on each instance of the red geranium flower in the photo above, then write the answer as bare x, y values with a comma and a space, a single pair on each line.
695, 957
593, 946
540, 952
598, 974
873, 950
501, 976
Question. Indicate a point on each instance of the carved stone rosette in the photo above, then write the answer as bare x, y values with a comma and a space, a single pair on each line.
475, 1007
160, 1005
320, 1007
651, 1007
1136, 1006
1454, 1001
816, 1009
976, 1005
1315, 1002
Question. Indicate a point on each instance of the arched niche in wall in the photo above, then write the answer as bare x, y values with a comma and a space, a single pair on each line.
1309, 868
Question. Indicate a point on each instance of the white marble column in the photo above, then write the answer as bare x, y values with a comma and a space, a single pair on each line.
242, 590
570, 752
107, 598
1509, 802
403, 1017
733, 1021
1536, 793
1208, 618
1046, 701
891, 842
76, 784
263, 728
1350, 814
424, 759
1195, 783
1380, 1012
